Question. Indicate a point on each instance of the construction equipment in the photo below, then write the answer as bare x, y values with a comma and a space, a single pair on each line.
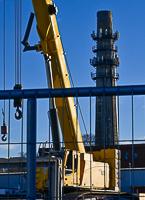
93, 170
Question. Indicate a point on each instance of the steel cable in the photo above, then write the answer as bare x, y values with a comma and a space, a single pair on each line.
4, 54
18, 33
73, 85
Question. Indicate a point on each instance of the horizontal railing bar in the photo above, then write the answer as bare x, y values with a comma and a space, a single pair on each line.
50, 142
74, 92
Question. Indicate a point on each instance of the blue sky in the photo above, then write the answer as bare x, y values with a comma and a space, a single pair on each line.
77, 20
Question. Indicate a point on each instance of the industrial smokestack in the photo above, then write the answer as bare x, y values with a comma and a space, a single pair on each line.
104, 20
105, 62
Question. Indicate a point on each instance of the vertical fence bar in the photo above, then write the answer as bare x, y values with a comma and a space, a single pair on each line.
118, 144
77, 118
9, 142
90, 144
132, 147
31, 148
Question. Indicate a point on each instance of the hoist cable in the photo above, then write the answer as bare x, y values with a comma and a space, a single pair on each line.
4, 55
18, 30
15, 10
72, 82
18, 33
17, 47
19, 37
20, 41
17, 41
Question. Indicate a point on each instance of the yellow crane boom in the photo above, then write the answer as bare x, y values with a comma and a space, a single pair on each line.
51, 46
76, 162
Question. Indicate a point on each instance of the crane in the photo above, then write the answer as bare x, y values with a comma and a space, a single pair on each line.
76, 161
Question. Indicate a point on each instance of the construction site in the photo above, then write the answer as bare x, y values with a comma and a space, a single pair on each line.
65, 138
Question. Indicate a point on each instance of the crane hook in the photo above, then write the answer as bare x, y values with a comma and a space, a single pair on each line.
4, 128
4, 138
18, 114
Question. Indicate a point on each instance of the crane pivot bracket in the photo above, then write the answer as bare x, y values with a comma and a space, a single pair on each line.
25, 42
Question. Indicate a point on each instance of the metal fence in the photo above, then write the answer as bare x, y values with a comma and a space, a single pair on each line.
21, 152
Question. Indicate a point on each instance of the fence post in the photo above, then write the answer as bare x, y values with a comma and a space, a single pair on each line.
31, 148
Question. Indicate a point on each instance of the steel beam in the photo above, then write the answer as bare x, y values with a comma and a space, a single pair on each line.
73, 92
31, 149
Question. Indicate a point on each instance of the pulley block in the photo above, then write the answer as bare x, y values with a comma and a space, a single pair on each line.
18, 103
4, 131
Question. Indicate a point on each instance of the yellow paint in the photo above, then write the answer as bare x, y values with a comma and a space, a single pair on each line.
50, 44
41, 178
112, 157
